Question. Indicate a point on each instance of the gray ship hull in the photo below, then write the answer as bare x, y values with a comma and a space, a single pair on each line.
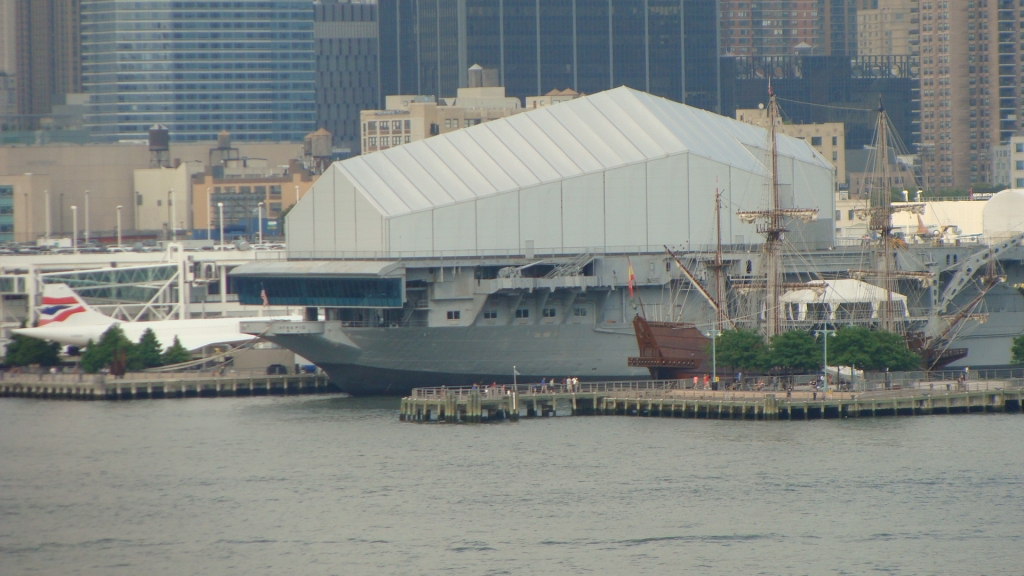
392, 361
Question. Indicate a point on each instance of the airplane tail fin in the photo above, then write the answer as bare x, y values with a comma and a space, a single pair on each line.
62, 304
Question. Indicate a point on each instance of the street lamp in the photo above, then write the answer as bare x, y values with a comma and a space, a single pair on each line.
170, 214
74, 229
209, 220
118, 225
48, 220
220, 207
259, 220
824, 354
86, 216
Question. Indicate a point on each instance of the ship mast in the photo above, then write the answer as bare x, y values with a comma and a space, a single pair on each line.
771, 224
719, 266
881, 222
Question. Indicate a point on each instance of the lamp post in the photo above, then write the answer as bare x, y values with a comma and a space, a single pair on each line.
220, 208
713, 334
118, 225
170, 214
824, 354
209, 220
48, 220
259, 220
74, 229
86, 216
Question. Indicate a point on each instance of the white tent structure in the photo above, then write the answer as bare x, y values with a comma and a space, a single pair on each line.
619, 171
840, 300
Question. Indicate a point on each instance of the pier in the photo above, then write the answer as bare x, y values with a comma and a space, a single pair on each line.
138, 386
671, 399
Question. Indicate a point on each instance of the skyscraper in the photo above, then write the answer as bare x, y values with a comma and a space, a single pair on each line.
347, 69
47, 55
245, 66
665, 47
889, 28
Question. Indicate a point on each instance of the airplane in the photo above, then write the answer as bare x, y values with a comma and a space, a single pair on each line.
65, 318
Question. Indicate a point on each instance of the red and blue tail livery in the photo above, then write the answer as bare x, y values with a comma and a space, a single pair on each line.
56, 309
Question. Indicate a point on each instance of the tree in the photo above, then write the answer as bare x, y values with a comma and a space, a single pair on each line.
146, 354
794, 351
872, 350
176, 353
23, 351
113, 344
1018, 350
739, 349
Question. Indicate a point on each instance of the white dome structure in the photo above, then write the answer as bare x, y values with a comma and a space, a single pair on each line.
1003, 216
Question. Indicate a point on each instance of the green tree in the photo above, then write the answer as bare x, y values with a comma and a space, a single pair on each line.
146, 354
740, 350
1018, 350
176, 353
112, 344
794, 351
872, 350
24, 351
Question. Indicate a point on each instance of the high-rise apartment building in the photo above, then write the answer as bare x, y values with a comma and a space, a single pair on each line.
245, 66
8, 66
665, 47
772, 27
888, 27
48, 62
840, 27
347, 72
971, 79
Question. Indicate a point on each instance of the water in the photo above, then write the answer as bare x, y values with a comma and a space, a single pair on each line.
330, 485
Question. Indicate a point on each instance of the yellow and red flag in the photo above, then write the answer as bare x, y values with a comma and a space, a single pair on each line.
632, 278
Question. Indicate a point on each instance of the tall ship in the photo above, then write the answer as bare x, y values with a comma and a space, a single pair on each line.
522, 248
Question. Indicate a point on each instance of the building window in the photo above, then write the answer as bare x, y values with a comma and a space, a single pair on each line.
839, 215
815, 140
407, 139
373, 140
849, 215
835, 140
275, 191
448, 123
396, 125
408, 124
1020, 165
1020, 183
371, 125
548, 312
835, 156
275, 208
455, 123
490, 314
1020, 147
454, 314
579, 311
522, 313
159, 203
261, 190
396, 140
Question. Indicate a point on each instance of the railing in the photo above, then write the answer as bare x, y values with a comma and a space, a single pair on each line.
80, 378
547, 388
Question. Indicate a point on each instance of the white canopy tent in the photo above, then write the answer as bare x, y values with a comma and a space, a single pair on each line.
838, 300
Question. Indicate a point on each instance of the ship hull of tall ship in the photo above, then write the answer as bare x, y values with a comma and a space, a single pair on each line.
394, 360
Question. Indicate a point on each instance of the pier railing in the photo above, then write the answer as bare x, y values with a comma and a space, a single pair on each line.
536, 387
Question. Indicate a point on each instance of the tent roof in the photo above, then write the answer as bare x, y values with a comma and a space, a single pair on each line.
590, 134
840, 291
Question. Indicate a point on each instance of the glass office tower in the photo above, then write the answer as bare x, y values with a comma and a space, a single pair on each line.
245, 66
666, 47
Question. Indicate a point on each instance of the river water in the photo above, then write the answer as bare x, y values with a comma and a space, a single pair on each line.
333, 485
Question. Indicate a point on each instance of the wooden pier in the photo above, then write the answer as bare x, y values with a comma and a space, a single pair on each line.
155, 386
669, 399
